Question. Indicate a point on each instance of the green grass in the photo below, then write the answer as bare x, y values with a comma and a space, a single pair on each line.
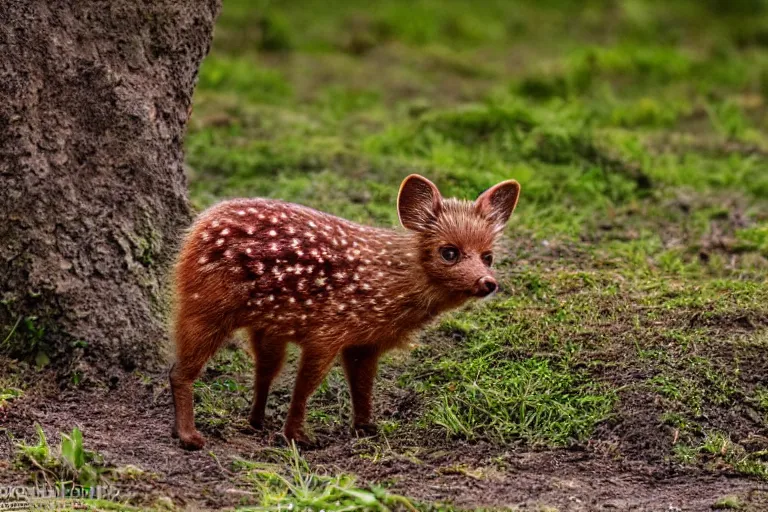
291, 484
499, 385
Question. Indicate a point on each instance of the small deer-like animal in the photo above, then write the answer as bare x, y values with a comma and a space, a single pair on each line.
288, 273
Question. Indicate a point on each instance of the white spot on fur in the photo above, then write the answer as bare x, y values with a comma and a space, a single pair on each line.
215, 224
241, 213
220, 242
311, 224
225, 232
274, 220
203, 260
272, 232
205, 236
250, 230
274, 247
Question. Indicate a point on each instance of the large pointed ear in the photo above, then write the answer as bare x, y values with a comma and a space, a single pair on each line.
498, 202
418, 203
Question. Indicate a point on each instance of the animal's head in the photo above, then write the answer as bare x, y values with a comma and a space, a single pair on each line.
456, 237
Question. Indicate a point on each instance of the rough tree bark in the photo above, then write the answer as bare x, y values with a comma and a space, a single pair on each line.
94, 99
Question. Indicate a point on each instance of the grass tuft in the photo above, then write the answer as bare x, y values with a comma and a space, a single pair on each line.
294, 486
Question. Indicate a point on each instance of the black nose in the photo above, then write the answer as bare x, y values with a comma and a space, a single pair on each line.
486, 286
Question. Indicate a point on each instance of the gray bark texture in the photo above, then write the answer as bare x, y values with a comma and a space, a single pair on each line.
94, 100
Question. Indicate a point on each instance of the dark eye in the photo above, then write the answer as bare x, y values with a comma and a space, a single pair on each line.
488, 259
449, 254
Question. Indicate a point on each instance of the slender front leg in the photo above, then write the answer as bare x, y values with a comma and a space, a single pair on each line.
269, 354
360, 365
313, 367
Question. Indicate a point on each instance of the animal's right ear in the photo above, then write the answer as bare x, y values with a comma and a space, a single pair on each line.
418, 203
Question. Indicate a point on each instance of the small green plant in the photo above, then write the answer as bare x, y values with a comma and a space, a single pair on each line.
294, 486
70, 464
728, 503
685, 454
8, 395
718, 448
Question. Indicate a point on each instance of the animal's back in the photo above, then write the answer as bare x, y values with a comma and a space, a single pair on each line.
287, 268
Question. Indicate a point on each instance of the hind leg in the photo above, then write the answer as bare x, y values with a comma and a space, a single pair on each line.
269, 355
196, 342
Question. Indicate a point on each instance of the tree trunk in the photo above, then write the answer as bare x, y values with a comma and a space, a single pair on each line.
94, 100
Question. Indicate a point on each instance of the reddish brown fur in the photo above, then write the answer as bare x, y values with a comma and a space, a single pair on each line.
288, 273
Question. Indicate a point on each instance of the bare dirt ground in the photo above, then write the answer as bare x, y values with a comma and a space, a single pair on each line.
130, 425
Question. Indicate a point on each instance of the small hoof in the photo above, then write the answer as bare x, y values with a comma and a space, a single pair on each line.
299, 437
366, 429
192, 442
256, 423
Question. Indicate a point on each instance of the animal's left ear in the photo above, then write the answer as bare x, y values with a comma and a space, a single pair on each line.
498, 202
